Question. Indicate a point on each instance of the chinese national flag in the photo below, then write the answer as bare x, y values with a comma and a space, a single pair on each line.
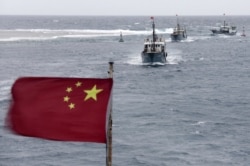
67, 109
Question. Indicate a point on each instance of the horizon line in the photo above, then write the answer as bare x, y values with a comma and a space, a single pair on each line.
118, 15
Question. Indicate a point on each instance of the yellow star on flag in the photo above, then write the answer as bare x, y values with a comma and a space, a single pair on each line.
69, 89
78, 84
72, 105
66, 98
92, 93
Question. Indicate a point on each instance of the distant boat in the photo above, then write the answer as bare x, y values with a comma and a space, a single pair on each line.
224, 29
179, 33
243, 32
121, 38
154, 49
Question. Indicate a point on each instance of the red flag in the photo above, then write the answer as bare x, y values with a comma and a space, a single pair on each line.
68, 109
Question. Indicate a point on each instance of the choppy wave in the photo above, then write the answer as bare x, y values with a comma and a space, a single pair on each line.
134, 60
5, 87
193, 111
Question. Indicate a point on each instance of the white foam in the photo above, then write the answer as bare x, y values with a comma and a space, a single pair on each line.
47, 34
5, 88
199, 123
134, 60
174, 57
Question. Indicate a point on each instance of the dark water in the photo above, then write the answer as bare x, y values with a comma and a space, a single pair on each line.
194, 111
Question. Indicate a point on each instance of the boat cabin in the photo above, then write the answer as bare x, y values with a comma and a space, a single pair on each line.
157, 46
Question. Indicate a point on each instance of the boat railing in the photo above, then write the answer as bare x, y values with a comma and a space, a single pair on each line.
154, 48
151, 41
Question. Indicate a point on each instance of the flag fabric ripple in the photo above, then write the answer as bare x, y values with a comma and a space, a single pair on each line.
66, 109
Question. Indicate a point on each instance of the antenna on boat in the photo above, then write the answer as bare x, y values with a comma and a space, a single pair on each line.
177, 20
153, 26
224, 19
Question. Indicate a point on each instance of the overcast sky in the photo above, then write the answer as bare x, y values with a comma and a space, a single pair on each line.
124, 7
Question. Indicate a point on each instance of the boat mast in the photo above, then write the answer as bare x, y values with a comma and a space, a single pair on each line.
154, 35
177, 20
224, 20
153, 26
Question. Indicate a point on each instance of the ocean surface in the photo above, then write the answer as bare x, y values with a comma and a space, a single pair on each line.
193, 111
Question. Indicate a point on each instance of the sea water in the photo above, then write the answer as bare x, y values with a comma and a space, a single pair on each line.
195, 110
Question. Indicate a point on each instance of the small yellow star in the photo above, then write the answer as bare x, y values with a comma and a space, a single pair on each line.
71, 106
78, 84
69, 89
66, 98
92, 93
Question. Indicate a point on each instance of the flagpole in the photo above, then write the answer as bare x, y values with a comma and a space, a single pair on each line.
111, 69
109, 141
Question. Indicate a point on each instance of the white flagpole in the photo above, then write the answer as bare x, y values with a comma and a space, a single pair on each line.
109, 141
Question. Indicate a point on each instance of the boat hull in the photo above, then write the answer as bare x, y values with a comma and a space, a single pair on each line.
178, 37
223, 32
154, 58
226, 30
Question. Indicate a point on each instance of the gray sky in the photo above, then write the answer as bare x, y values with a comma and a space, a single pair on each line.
124, 7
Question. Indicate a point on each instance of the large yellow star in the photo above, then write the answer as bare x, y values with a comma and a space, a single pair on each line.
92, 93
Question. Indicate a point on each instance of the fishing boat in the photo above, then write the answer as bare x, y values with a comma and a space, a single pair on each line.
224, 29
154, 49
179, 33
121, 38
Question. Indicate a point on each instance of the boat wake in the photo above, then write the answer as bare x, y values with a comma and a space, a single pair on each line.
171, 60
134, 60
50, 34
189, 39
154, 64
174, 60
174, 57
